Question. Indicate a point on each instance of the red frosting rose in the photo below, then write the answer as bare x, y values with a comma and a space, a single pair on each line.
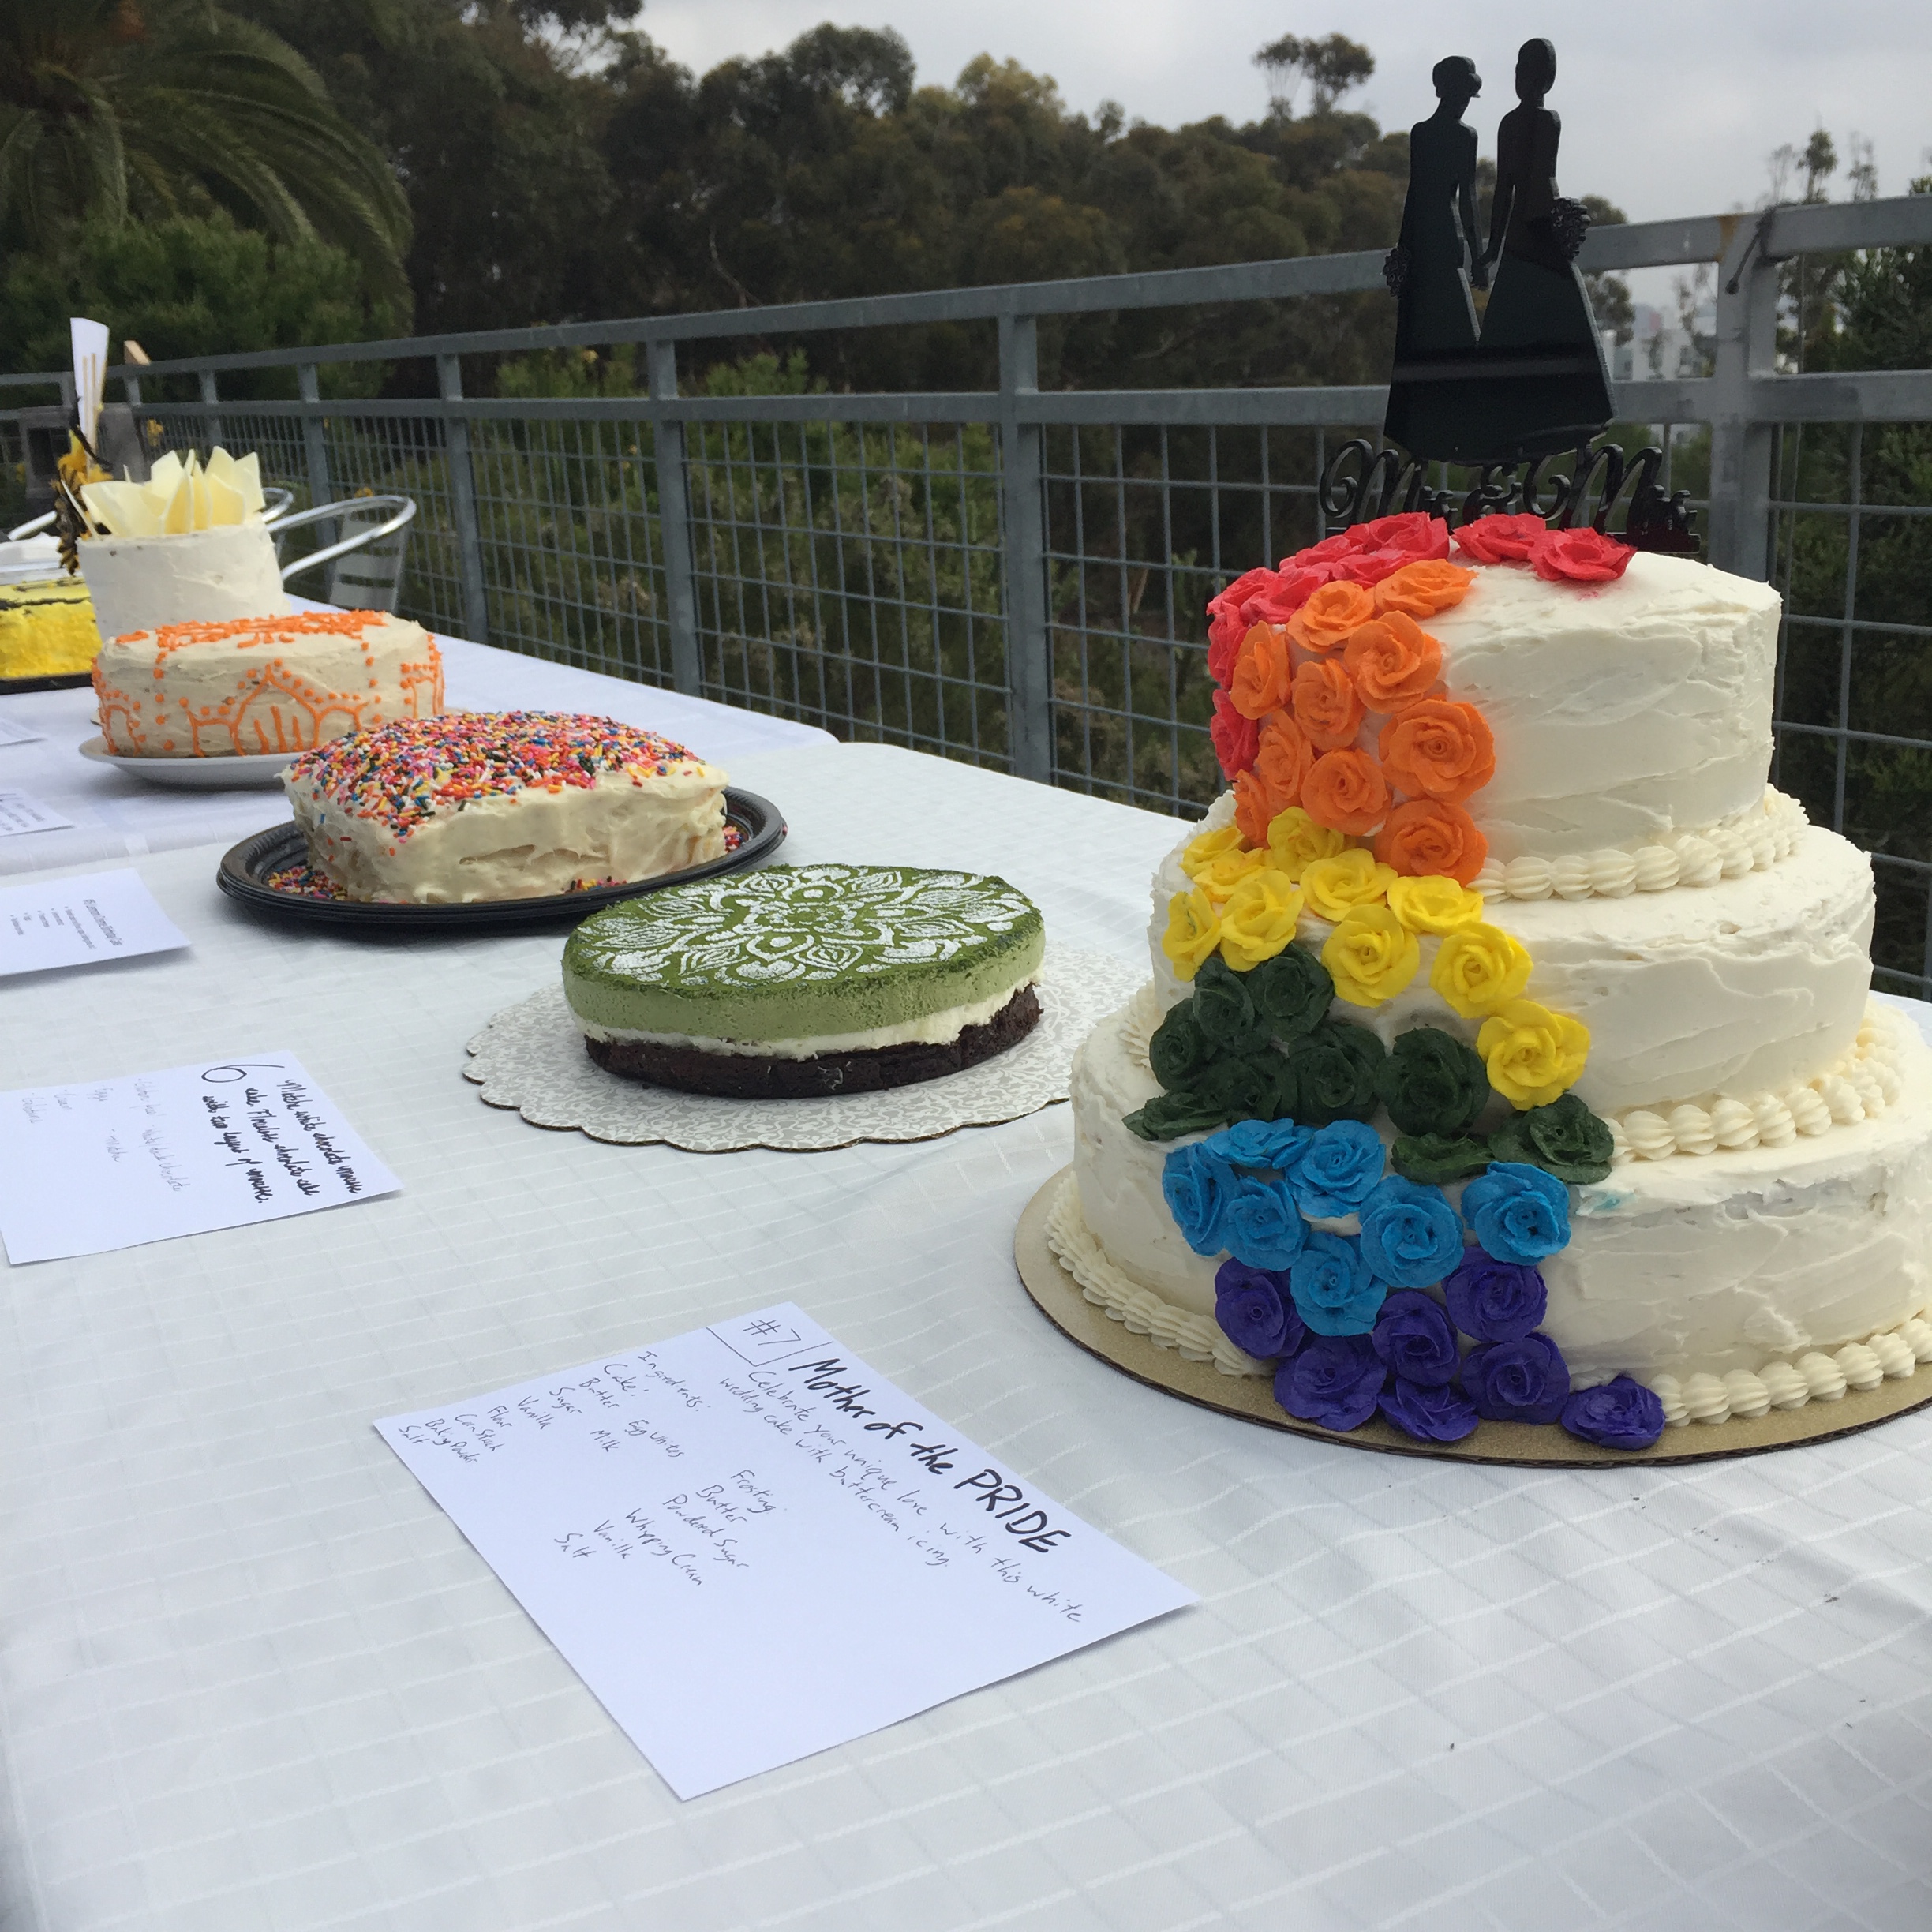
1414, 532
1330, 550
1225, 629
1579, 556
1279, 599
1236, 739
1500, 539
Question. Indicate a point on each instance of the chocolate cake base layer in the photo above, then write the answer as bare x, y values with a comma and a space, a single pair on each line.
751, 1076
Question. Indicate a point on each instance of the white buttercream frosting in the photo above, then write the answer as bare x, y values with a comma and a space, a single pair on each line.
934, 1029
1622, 712
202, 576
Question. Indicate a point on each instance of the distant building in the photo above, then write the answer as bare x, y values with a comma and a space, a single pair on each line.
1660, 349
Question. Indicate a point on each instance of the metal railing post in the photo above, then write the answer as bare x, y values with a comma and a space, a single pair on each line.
674, 522
463, 503
212, 424
1022, 548
1740, 443
315, 447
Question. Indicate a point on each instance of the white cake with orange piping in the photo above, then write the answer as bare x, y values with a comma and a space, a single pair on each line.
252, 685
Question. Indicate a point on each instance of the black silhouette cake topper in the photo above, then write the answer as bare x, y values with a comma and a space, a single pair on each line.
1531, 380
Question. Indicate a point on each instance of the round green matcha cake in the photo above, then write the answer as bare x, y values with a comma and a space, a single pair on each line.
806, 980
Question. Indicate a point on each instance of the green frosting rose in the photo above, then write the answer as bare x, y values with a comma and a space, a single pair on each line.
1245, 1089
1434, 1160
1432, 1083
1167, 1116
1564, 1139
1332, 1074
1178, 1049
1292, 992
1223, 1010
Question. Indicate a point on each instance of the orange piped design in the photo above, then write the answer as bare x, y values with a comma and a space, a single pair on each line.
272, 706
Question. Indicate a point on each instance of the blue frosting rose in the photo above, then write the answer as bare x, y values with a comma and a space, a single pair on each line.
1409, 1232
1274, 1145
1338, 1170
1493, 1301
1260, 1225
1518, 1212
1432, 1412
1253, 1307
1413, 1337
1334, 1291
1333, 1379
1198, 1186
1622, 1415
1525, 1381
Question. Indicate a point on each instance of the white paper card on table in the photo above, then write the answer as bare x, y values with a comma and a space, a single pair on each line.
12, 734
20, 811
113, 1163
752, 1547
80, 922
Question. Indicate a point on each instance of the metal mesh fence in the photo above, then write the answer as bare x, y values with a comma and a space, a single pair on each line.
849, 575
1852, 557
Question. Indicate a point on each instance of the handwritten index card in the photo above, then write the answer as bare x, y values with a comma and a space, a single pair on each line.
112, 1163
752, 1547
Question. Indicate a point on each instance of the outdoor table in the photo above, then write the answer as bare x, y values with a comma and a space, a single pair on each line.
251, 1677
116, 814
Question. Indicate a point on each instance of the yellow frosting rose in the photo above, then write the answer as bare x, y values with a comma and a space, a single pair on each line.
1535, 1056
1193, 932
1371, 955
1337, 885
1434, 904
1222, 873
1478, 969
1295, 842
1202, 851
1259, 920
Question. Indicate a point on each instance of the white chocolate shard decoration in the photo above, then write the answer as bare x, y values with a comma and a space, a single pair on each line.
181, 496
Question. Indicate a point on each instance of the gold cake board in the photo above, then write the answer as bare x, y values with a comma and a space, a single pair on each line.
1252, 1398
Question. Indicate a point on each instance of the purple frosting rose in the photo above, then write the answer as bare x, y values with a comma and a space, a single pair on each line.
1434, 1413
1333, 1379
1253, 1307
1493, 1301
1413, 1337
1622, 1415
1261, 1224
1525, 1381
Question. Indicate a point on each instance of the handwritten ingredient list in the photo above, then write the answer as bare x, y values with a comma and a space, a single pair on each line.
112, 1163
80, 921
752, 1547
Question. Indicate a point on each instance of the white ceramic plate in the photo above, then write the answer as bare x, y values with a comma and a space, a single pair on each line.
197, 774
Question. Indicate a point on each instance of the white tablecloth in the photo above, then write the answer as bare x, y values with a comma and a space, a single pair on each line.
251, 1677
115, 815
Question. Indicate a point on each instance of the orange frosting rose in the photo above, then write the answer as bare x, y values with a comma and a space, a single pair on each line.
1424, 838
1393, 662
1323, 622
1326, 703
1347, 792
1421, 589
1438, 749
1280, 767
1261, 671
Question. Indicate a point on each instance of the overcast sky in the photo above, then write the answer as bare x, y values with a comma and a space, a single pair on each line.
1669, 107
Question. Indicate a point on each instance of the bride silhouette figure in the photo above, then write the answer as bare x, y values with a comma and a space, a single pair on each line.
1548, 387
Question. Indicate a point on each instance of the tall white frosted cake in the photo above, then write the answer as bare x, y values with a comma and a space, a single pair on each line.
1508, 1054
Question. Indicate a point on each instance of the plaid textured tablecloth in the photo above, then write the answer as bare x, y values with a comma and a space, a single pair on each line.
250, 1677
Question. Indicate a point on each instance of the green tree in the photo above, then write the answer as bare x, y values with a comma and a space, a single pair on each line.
160, 108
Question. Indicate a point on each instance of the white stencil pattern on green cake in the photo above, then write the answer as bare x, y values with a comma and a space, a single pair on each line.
806, 923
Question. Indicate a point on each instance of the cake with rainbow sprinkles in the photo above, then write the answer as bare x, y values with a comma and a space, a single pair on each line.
1509, 1055
470, 806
